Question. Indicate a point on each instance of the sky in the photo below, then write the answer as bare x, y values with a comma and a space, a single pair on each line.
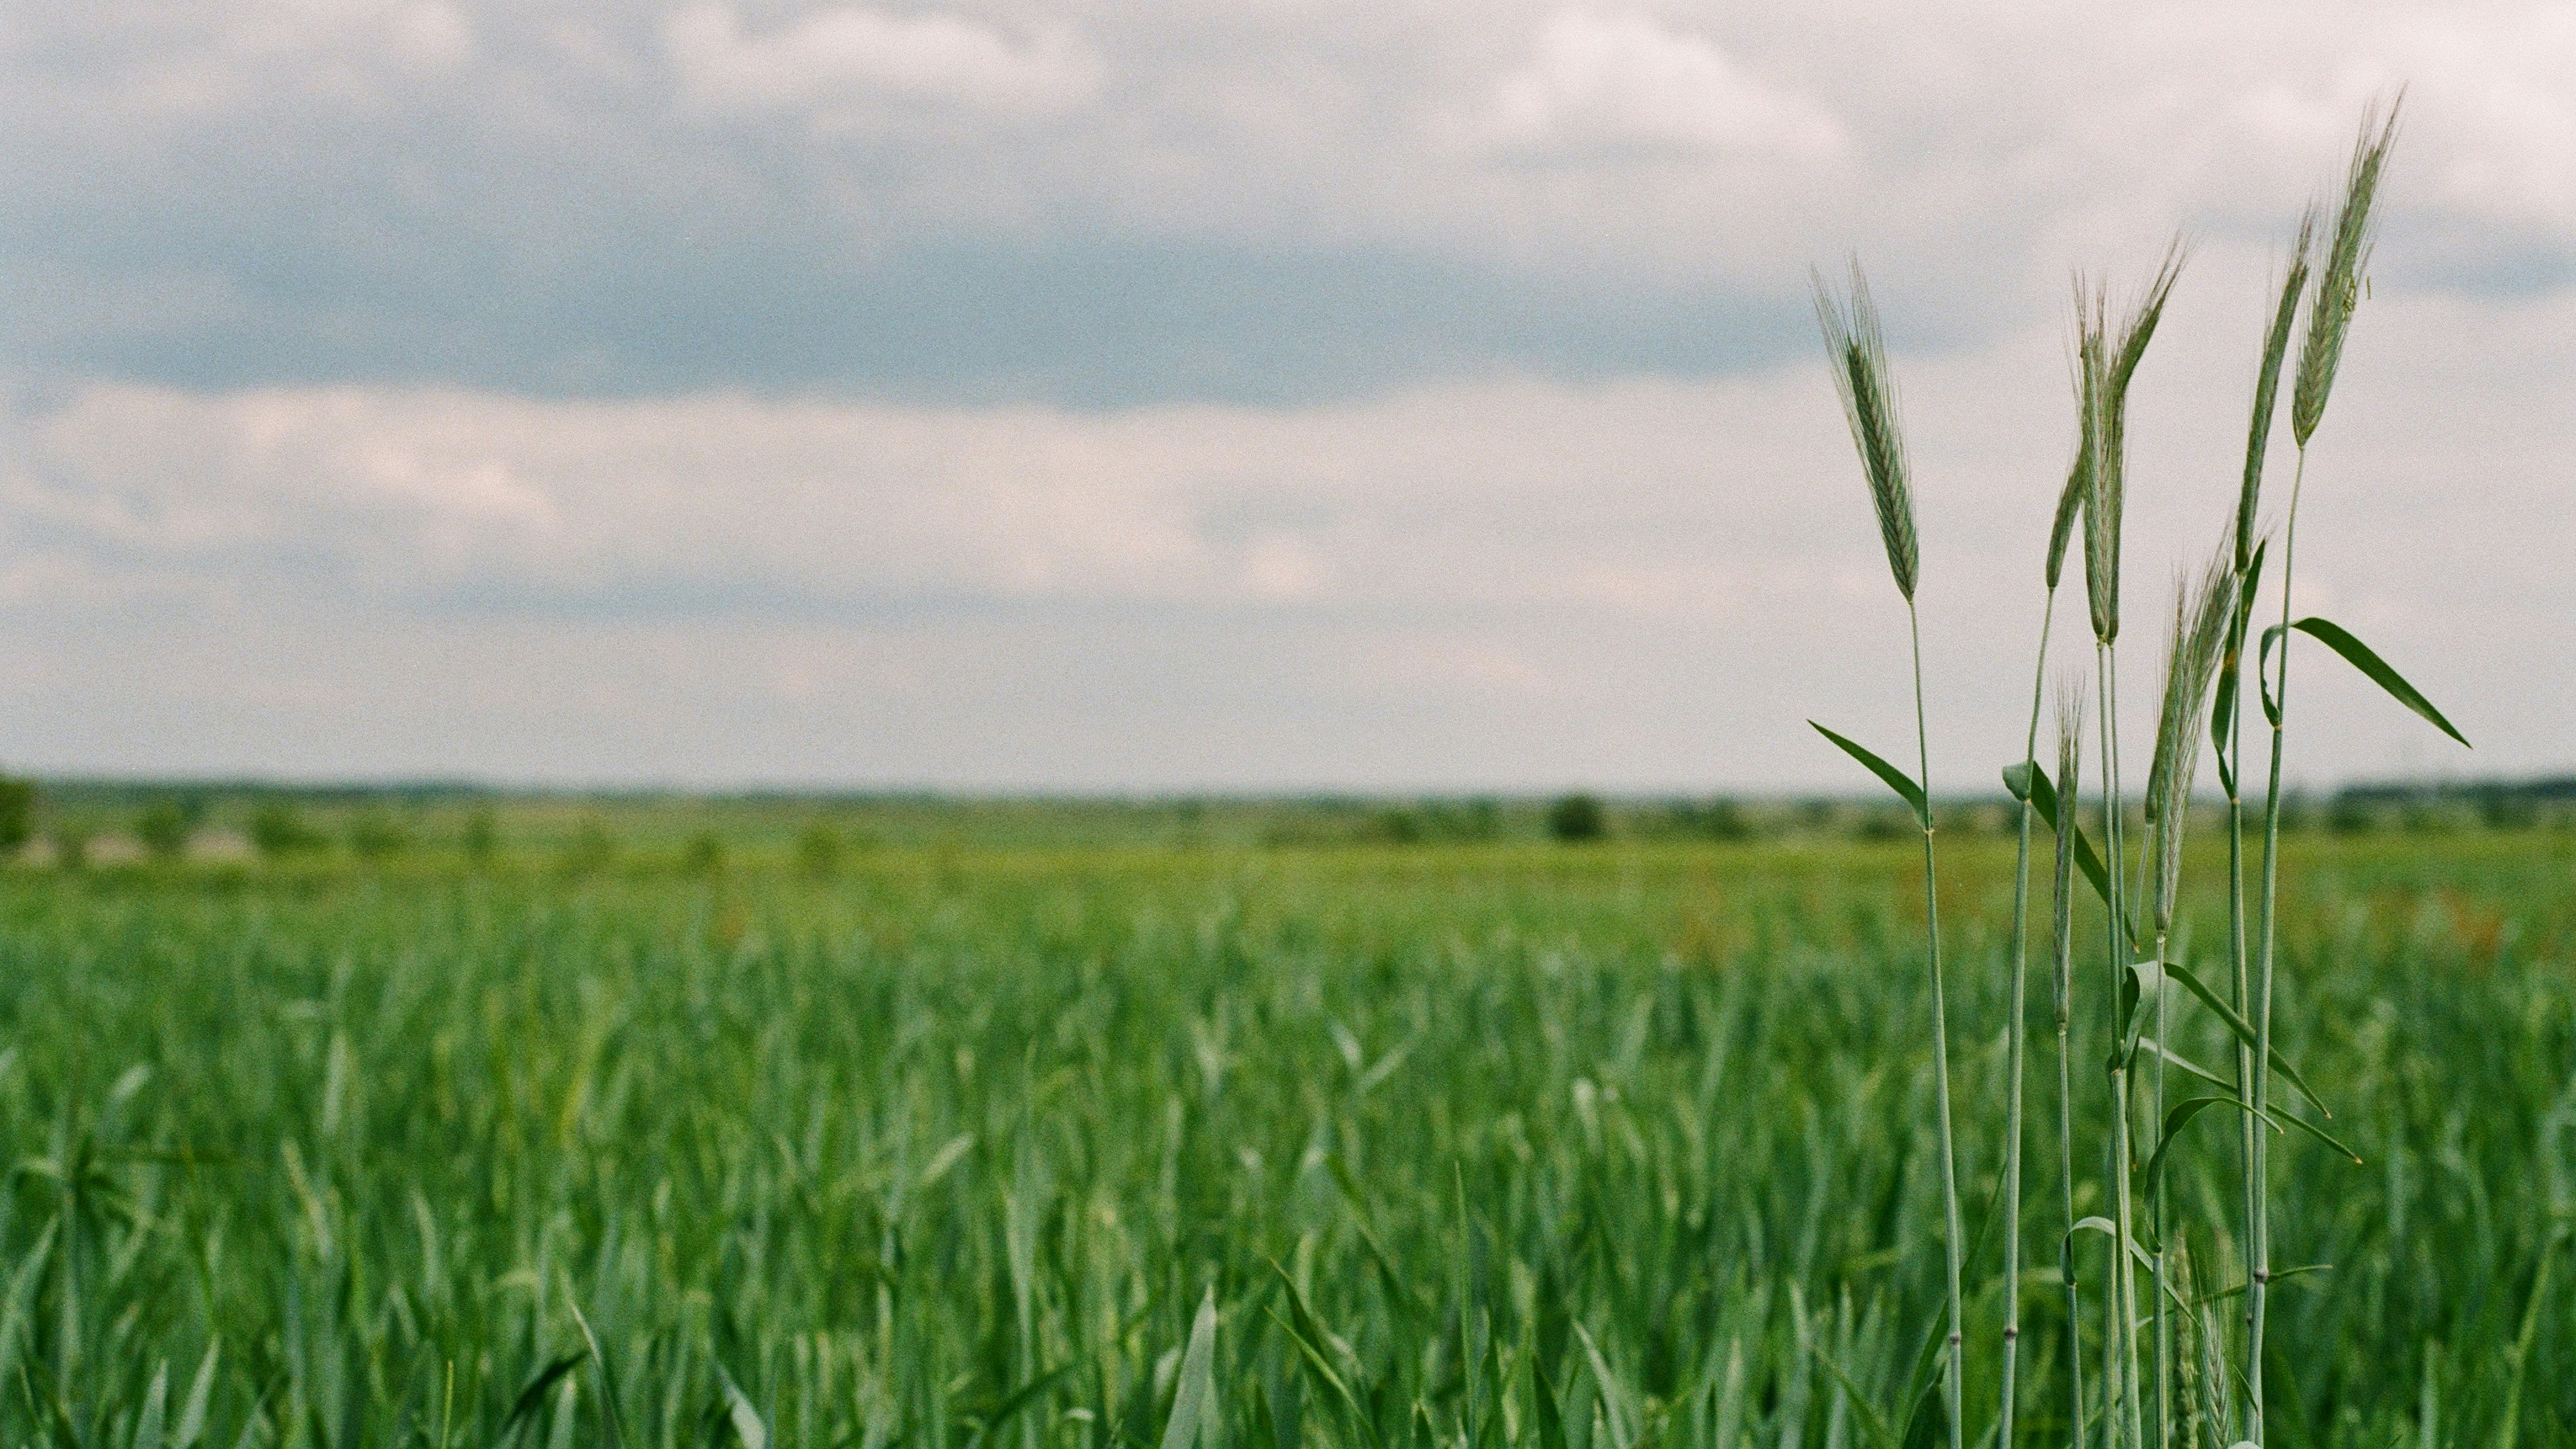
1270, 395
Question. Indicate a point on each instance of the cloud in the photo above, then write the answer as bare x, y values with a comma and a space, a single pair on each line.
834, 63
1638, 582
1165, 201
1599, 82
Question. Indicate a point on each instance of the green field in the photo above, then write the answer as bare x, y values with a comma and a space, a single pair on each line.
1468, 1144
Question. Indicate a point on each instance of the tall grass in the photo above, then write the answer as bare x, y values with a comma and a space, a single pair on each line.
866, 1148
2108, 361
2197, 638
2337, 294
2070, 767
2228, 713
2190, 1381
2070, 507
1858, 347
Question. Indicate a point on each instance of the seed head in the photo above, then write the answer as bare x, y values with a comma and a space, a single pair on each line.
2347, 265
1858, 349
2201, 609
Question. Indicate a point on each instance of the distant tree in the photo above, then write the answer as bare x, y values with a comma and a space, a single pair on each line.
818, 849
1481, 819
1884, 824
2348, 816
1727, 821
166, 826
1577, 817
1399, 826
17, 813
277, 829
2505, 808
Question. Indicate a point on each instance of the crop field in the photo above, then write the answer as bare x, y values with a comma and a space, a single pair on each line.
1003, 1146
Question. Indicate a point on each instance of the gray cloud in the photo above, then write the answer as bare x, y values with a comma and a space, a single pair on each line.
1637, 582
1118, 204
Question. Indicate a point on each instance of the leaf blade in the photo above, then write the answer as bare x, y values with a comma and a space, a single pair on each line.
2360, 656
1197, 1380
1896, 779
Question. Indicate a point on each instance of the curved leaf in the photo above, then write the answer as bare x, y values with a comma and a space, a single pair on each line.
2179, 1062
2190, 1107
532, 1396
2043, 798
1897, 780
2179, 1118
2359, 655
2278, 1274
2244, 1033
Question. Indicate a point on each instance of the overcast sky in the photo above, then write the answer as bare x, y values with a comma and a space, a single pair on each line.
1126, 394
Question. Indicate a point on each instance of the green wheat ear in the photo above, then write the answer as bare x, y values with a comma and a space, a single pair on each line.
2101, 492
1859, 349
2267, 384
2079, 474
2338, 286
2106, 362
2201, 612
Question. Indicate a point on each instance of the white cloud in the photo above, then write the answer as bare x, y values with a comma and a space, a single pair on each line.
1627, 82
1644, 582
835, 59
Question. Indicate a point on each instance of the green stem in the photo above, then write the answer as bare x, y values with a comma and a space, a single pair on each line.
2013, 1046
2124, 1284
2066, 1179
2245, 1145
2258, 1276
1940, 1045
2156, 1191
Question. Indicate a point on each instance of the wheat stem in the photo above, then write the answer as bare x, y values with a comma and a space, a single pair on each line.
2124, 1288
1951, 1238
2258, 1274
2069, 763
2013, 1045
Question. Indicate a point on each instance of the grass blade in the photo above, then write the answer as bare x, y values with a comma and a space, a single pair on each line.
2360, 656
1197, 1383
2244, 1033
1897, 780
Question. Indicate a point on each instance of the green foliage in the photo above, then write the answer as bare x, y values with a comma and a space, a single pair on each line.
590, 849
949, 1152
167, 824
818, 850
376, 834
277, 829
480, 840
17, 813
1577, 818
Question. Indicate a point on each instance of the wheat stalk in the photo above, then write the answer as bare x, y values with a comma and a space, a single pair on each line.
2337, 291
1857, 343
2070, 765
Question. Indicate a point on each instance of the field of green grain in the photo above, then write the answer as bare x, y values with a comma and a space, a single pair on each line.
1572, 1147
